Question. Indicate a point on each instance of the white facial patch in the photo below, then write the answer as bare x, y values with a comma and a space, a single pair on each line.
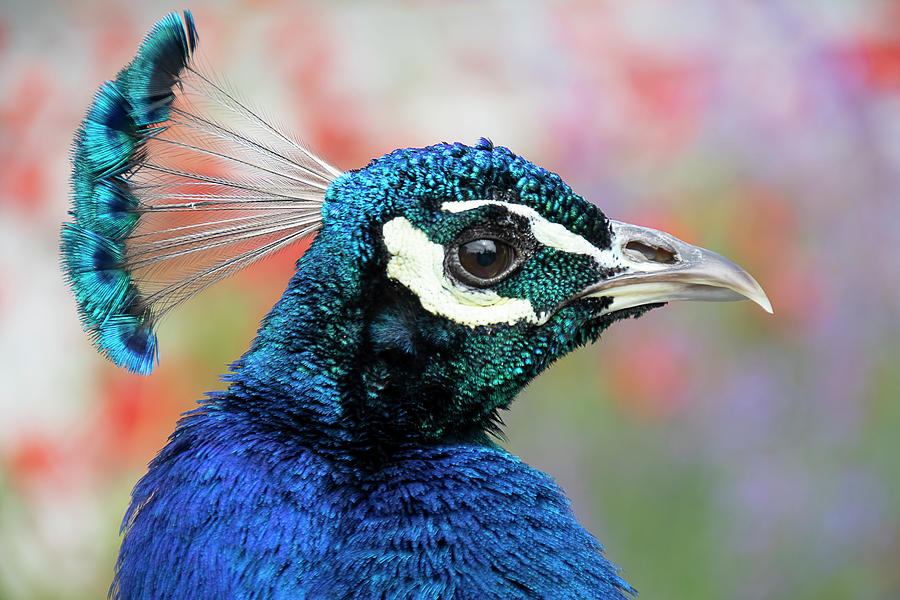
418, 263
551, 235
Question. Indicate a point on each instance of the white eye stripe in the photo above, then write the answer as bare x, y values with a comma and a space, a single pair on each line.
551, 235
418, 264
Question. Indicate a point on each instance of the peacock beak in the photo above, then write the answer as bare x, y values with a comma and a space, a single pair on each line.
659, 267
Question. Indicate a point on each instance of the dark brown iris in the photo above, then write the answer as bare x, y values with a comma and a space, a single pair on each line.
485, 258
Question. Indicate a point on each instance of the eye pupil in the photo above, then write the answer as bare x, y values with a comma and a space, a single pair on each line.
485, 252
485, 258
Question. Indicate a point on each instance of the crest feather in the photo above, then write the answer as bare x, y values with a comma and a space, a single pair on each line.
177, 184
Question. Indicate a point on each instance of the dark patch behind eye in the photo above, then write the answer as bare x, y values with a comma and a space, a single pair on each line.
499, 223
509, 230
490, 220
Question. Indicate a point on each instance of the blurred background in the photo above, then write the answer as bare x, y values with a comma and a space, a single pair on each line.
716, 451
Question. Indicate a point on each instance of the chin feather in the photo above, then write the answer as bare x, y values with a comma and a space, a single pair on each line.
177, 183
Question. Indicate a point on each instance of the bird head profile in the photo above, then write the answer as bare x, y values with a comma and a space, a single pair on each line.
469, 270
440, 281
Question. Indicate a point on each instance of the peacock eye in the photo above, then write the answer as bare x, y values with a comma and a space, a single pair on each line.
482, 261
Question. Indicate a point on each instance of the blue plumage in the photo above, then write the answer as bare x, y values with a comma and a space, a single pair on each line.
349, 456
453, 521
107, 208
100, 286
278, 488
108, 136
148, 81
108, 147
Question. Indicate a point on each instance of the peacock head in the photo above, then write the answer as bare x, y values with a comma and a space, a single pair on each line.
440, 281
470, 270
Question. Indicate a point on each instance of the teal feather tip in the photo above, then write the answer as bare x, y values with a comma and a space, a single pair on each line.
149, 79
107, 207
176, 185
124, 115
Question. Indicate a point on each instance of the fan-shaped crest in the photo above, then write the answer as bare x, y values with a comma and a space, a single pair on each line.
177, 184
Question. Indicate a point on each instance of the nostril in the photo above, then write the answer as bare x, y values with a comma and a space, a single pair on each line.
656, 254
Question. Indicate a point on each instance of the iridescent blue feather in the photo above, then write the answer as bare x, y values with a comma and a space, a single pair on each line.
92, 264
176, 184
148, 81
107, 207
107, 145
108, 136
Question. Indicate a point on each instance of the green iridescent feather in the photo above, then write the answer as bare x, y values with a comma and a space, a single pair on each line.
108, 147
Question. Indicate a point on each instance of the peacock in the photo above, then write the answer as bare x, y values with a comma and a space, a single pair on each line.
352, 453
